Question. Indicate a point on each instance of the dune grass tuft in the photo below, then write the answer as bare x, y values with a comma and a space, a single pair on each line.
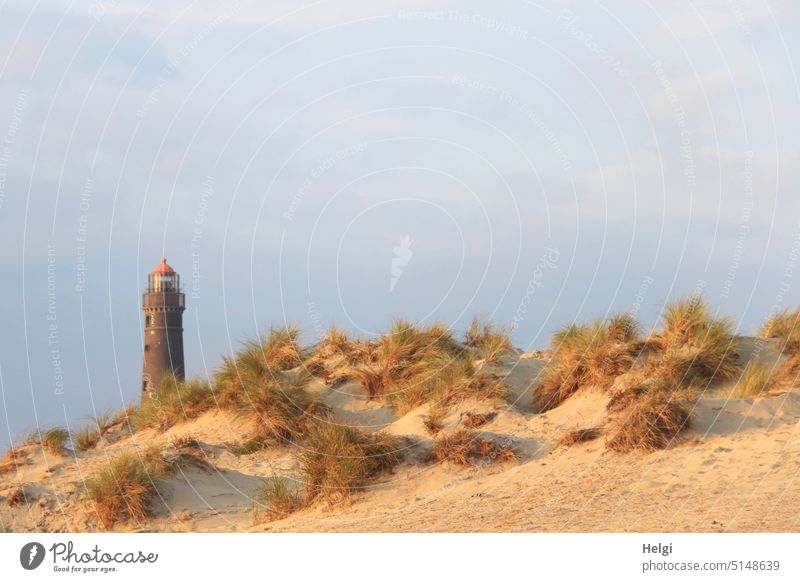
173, 402
697, 347
784, 325
86, 438
477, 419
755, 379
648, 425
581, 435
466, 448
13, 458
16, 497
587, 355
280, 496
54, 440
490, 340
124, 490
434, 420
281, 413
338, 460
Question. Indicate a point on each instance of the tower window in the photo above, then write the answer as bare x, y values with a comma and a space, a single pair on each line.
148, 320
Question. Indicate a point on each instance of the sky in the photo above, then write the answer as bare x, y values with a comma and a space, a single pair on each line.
349, 162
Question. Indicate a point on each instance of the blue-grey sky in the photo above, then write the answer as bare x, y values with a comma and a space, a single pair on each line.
352, 162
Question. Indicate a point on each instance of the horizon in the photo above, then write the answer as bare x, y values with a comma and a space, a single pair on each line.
338, 163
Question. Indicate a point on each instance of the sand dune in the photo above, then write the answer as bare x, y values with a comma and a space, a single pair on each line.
735, 469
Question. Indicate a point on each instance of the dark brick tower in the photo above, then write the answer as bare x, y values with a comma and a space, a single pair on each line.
163, 305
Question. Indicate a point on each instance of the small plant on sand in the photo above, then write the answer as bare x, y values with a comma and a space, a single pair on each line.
173, 402
54, 440
16, 497
104, 422
755, 379
86, 438
466, 448
477, 419
581, 435
434, 420
338, 460
649, 424
280, 496
13, 458
490, 341
125, 489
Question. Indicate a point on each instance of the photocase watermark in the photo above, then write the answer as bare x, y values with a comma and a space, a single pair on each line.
84, 205
487, 22
549, 260
679, 114
31, 555
741, 20
52, 323
744, 226
505, 97
321, 169
789, 267
9, 139
641, 294
206, 194
316, 320
100, 8
68, 559
169, 70
569, 22
402, 257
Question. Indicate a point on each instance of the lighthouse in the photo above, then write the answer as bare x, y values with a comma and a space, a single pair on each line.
163, 305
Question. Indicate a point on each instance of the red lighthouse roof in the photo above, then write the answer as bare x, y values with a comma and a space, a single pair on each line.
163, 268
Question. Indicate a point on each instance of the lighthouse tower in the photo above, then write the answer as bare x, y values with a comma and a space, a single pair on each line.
163, 305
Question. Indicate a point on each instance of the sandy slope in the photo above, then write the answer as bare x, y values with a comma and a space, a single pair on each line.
736, 469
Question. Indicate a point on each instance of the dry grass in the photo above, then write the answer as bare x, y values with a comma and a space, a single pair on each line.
622, 399
784, 325
124, 490
281, 413
434, 420
280, 349
281, 498
477, 419
259, 362
648, 425
335, 343
697, 347
756, 379
466, 448
587, 355
104, 422
490, 341
581, 435
173, 402
16, 497
13, 458
693, 351
86, 438
411, 365
338, 460
54, 441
